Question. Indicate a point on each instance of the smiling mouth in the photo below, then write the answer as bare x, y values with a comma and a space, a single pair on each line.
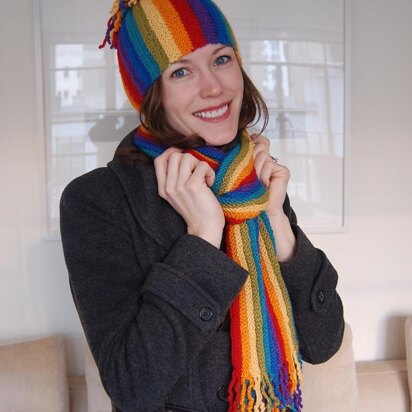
215, 114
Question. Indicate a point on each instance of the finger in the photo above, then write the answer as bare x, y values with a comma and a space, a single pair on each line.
187, 164
161, 164
258, 149
162, 159
204, 172
172, 173
271, 170
260, 139
260, 159
267, 172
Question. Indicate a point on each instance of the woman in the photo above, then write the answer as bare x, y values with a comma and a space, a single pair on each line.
179, 230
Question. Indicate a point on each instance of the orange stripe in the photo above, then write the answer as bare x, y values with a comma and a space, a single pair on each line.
131, 91
174, 24
234, 244
161, 31
245, 172
282, 321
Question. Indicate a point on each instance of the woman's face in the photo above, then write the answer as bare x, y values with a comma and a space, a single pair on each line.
202, 94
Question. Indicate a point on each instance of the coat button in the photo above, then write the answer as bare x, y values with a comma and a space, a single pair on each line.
321, 296
206, 314
222, 393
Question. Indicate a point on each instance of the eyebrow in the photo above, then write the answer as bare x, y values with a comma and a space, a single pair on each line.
188, 60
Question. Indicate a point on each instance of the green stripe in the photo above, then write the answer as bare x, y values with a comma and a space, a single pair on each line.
149, 36
276, 268
231, 170
259, 201
257, 311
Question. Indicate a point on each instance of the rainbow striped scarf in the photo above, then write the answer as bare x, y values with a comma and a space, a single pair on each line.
265, 358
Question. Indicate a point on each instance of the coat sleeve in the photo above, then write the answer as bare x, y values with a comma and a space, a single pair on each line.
311, 282
144, 325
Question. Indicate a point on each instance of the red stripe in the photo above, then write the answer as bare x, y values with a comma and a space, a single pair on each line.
191, 23
145, 133
251, 177
233, 390
281, 342
236, 336
133, 94
212, 163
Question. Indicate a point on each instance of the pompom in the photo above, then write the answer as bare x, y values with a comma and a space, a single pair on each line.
115, 21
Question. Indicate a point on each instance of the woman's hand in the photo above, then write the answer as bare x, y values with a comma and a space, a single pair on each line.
275, 177
185, 182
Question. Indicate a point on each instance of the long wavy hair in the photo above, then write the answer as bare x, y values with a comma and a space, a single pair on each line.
153, 117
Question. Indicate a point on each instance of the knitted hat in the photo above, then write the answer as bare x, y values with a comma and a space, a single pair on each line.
149, 35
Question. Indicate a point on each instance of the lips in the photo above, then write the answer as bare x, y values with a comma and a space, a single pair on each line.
214, 114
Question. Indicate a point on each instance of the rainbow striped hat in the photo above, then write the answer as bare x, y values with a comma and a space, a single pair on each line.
149, 35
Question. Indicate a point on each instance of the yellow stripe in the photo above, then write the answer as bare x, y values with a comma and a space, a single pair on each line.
277, 281
279, 288
161, 31
175, 25
255, 294
232, 175
246, 364
252, 363
274, 293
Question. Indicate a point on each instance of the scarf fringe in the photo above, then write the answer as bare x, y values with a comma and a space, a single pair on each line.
262, 394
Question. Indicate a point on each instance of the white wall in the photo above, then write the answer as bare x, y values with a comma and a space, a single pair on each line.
372, 256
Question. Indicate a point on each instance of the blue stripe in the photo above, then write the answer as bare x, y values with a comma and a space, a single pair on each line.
243, 195
135, 69
220, 23
222, 170
142, 51
253, 230
146, 146
212, 152
266, 222
270, 344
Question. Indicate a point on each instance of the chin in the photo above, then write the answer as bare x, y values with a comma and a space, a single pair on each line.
220, 141
219, 138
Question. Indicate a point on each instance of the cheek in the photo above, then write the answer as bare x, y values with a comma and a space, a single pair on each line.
174, 99
176, 115
169, 105
235, 80
241, 83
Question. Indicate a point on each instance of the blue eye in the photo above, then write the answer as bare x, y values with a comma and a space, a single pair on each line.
222, 60
179, 73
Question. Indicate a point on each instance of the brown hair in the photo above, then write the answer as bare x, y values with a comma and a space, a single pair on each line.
153, 117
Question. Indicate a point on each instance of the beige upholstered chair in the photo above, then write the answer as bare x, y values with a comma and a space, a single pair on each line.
97, 399
331, 386
33, 376
408, 342
327, 387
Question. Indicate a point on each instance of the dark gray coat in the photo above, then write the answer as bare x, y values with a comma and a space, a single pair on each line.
153, 300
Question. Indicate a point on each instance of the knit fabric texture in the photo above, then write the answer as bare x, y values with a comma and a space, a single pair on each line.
149, 35
265, 358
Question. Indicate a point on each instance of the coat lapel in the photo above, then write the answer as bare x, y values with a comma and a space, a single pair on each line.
154, 214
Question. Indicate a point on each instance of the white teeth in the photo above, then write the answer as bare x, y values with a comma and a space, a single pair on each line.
213, 114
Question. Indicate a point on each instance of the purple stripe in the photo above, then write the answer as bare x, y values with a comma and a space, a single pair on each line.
206, 21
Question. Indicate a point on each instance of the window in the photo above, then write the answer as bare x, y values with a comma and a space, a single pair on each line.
296, 59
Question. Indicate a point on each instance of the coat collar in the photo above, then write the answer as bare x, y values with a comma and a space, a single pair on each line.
154, 214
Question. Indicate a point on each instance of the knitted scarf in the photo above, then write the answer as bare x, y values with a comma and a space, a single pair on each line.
265, 358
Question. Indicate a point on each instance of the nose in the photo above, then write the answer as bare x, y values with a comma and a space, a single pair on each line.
210, 84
